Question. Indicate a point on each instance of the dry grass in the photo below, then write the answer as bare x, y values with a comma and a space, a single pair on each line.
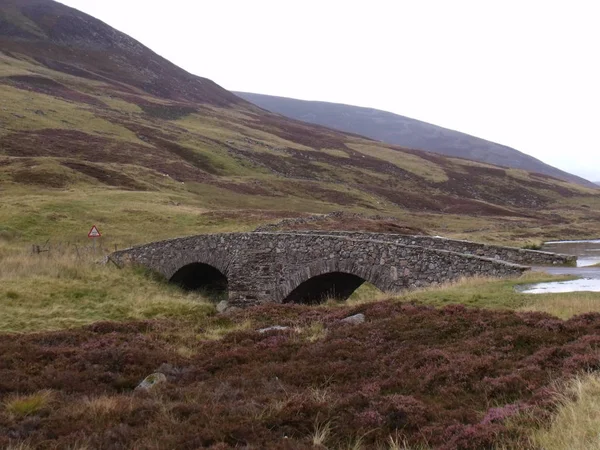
321, 433
56, 265
475, 282
565, 305
576, 425
57, 291
218, 331
104, 405
397, 443
366, 293
26, 405
19, 446
321, 395
316, 331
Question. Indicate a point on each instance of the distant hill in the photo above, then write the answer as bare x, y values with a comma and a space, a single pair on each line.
406, 132
69, 41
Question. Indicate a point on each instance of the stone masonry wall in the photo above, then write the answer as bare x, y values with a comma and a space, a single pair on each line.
264, 267
510, 254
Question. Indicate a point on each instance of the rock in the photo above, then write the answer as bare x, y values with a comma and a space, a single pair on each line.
355, 319
222, 306
151, 381
232, 309
273, 328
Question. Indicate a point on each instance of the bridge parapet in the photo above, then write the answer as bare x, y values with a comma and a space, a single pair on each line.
510, 254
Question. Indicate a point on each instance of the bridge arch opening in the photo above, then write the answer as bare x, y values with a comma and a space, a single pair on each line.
337, 286
204, 279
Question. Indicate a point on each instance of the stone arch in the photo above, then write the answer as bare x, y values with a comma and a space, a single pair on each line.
208, 273
332, 279
211, 257
201, 277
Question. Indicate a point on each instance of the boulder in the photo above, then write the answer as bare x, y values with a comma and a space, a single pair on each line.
151, 381
273, 328
355, 319
222, 306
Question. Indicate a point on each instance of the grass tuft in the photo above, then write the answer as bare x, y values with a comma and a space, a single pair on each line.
105, 405
322, 431
316, 331
576, 423
19, 446
396, 443
27, 405
217, 331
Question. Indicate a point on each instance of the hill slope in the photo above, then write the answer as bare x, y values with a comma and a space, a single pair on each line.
95, 127
395, 129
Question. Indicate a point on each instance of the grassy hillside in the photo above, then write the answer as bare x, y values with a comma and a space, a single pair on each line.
94, 127
395, 129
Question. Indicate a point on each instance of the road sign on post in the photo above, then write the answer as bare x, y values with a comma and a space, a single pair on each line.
94, 233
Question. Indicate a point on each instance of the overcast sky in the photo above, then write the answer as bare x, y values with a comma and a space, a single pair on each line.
521, 73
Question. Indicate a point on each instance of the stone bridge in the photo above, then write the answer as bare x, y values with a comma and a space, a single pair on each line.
305, 267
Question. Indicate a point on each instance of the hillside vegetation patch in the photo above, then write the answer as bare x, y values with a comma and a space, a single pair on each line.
450, 378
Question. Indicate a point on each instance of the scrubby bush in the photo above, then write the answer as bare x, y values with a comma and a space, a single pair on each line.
444, 378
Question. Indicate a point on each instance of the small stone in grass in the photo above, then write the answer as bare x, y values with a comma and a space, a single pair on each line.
355, 319
151, 381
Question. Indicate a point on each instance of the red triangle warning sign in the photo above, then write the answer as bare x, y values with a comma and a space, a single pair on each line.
94, 233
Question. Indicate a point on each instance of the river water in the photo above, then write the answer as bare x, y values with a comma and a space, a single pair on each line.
588, 253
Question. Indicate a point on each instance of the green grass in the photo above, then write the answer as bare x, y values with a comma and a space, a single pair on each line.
407, 161
490, 293
56, 291
124, 217
58, 114
26, 405
504, 294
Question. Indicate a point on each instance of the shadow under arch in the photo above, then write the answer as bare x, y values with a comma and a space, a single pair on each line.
332, 285
203, 278
335, 279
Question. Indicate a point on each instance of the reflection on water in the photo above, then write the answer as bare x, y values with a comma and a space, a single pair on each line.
563, 286
587, 251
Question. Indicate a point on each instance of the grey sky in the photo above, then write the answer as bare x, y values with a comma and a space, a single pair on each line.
522, 73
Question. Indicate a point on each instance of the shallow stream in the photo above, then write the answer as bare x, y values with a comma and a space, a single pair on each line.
588, 253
